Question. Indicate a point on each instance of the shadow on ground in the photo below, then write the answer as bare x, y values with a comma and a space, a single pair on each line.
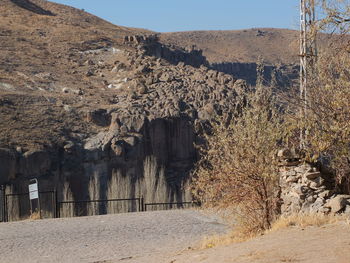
26, 4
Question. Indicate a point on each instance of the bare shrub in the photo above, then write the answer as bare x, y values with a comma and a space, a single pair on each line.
327, 121
327, 115
238, 166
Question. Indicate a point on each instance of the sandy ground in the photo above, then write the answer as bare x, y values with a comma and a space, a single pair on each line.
326, 244
132, 237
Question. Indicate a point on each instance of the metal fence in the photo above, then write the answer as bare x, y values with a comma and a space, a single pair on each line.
99, 207
169, 206
17, 206
14, 207
2, 203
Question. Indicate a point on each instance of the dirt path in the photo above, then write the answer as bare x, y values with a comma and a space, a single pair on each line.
327, 244
132, 237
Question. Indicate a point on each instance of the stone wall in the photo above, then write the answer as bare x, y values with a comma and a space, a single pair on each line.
305, 189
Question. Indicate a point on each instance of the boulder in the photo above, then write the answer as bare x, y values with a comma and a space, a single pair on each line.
317, 183
99, 117
305, 168
312, 175
324, 194
292, 179
347, 209
287, 154
338, 203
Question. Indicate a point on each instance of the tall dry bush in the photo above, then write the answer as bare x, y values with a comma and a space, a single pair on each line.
239, 168
327, 119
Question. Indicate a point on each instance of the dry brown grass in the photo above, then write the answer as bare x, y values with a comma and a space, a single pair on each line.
305, 220
242, 233
35, 216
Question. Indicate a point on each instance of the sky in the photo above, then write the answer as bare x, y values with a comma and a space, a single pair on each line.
187, 15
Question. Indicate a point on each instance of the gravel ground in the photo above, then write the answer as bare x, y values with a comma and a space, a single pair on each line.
133, 237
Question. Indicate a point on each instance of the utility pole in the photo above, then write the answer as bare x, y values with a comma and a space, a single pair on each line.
308, 54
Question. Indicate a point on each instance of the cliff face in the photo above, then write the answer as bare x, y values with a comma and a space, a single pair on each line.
153, 162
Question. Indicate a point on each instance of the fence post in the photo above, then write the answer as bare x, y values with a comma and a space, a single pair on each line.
3, 202
58, 213
39, 204
54, 197
142, 204
6, 212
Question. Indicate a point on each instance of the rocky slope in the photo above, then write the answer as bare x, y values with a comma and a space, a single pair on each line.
97, 111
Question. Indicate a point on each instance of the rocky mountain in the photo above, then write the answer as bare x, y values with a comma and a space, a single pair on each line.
97, 111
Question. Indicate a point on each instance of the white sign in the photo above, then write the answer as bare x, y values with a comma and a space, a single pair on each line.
33, 195
33, 190
33, 187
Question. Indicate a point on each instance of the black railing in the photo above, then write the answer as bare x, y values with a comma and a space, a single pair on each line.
47, 204
2, 203
84, 211
173, 205
17, 206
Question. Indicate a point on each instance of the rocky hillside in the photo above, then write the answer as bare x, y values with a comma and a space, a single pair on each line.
98, 111
275, 46
238, 52
41, 48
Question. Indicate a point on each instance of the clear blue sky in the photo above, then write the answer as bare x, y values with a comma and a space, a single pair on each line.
184, 15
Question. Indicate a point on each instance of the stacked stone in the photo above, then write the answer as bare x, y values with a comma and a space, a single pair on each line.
303, 188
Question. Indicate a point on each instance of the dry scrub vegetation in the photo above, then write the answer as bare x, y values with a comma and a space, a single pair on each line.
305, 220
328, 116
239, 167
328, 111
